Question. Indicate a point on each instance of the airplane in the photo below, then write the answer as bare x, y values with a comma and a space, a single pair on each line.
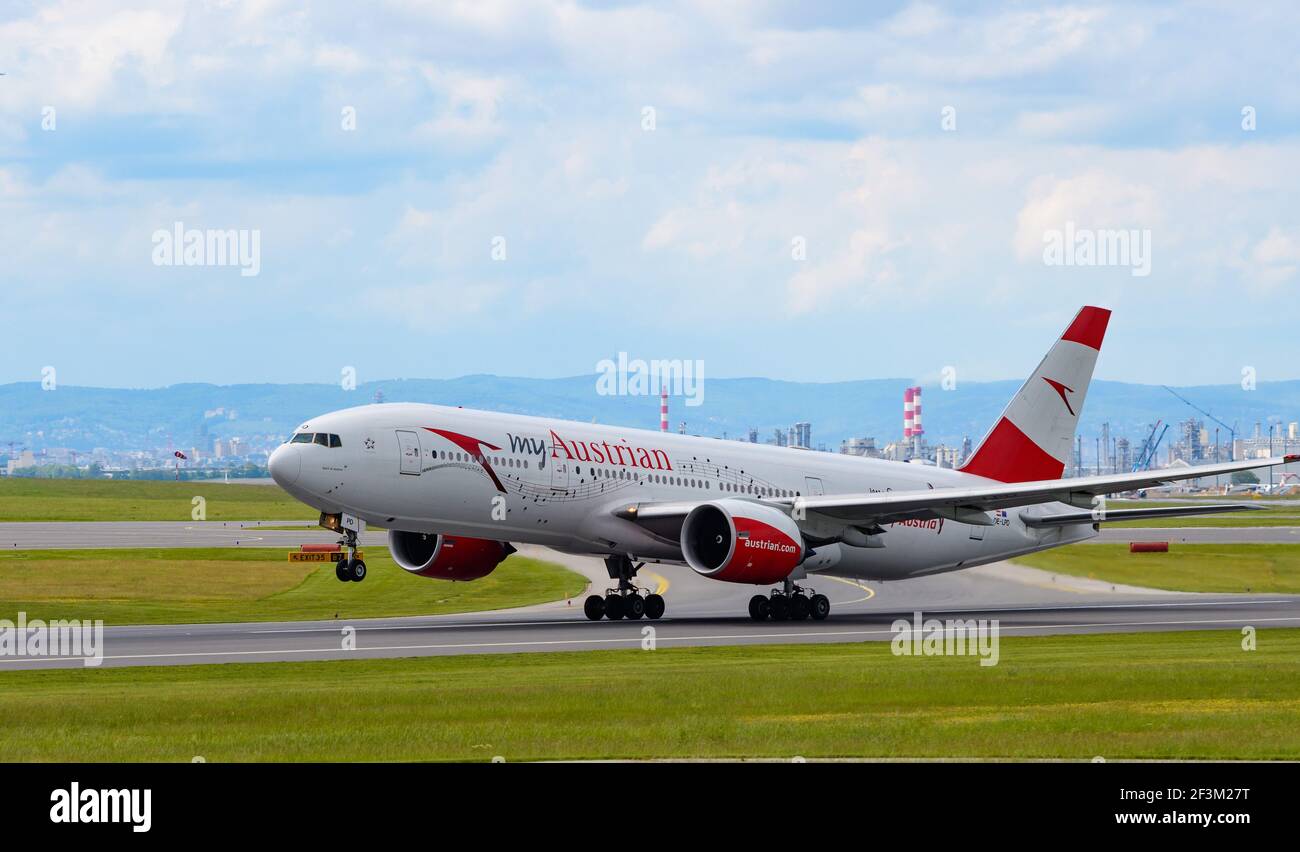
457, 488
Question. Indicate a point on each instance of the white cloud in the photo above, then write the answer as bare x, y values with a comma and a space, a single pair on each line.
1275, 258
74, 53
523, 119
857, 273
1095, 200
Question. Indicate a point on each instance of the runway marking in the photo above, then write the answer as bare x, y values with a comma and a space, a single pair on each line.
1138, 604
871, 593
614, 640
663, 582
452, 625
448, 626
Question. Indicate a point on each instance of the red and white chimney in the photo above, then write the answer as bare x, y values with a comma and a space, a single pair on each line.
917, 429
909, 412
663, 408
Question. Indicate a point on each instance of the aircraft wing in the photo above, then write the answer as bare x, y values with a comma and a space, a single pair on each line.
954, 503
1110, 516
969, 504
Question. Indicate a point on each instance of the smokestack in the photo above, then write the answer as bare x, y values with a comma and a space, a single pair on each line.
908, 411
917, 430
663, 408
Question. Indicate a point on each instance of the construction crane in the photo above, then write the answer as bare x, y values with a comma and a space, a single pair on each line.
1148, 453
1232, 430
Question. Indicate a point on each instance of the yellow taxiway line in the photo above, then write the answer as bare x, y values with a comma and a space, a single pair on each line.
871, 593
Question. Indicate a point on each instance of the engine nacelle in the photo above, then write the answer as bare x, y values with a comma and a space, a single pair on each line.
741, 542
446, 557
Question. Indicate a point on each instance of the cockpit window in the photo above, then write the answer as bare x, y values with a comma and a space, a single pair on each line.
325, 439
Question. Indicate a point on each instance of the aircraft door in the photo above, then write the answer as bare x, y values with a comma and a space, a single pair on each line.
408, 447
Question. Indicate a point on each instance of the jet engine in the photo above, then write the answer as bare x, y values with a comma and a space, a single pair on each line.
741, 542
446, 557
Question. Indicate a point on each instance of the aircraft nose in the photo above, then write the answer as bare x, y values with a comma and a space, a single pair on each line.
285, 465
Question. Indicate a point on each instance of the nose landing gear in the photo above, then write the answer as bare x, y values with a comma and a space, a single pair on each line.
350, 569
789, 603
626, 600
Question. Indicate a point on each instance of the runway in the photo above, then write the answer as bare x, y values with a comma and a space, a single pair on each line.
101, 534
700, 613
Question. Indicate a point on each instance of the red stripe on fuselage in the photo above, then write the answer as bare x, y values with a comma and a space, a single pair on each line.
474, 447
1009, 455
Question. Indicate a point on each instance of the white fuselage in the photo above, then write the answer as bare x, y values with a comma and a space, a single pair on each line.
429, 468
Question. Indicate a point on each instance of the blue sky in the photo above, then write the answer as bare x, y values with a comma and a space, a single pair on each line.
772, 123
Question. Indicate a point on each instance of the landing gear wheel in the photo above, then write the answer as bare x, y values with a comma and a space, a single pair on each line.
799, 607
779, 608
356, 571
594, 607
654, 607
341, 571
613, 607
758, 608
633, 607
821, 607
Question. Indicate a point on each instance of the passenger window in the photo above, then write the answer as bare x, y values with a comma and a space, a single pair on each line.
335, 441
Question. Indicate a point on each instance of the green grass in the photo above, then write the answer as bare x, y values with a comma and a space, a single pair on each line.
1191, 695
1260, 568
124, 500
149, 586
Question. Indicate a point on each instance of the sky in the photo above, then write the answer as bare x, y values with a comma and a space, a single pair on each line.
809, 190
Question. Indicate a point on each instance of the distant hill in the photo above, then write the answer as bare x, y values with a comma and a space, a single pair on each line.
83, 418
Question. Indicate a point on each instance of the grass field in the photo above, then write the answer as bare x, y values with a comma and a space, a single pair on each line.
1191, 695
1260, 568
124, 500
258, 584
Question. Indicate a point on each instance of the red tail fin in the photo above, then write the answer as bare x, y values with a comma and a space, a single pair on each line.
1033, 437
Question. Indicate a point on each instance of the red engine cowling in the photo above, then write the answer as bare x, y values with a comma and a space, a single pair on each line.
741, 542
446, 557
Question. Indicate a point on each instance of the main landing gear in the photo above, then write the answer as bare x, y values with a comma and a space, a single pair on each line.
626, 600
350, 569
789, 603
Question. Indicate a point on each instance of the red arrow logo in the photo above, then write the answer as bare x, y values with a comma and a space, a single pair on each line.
474, 447
1061, 389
